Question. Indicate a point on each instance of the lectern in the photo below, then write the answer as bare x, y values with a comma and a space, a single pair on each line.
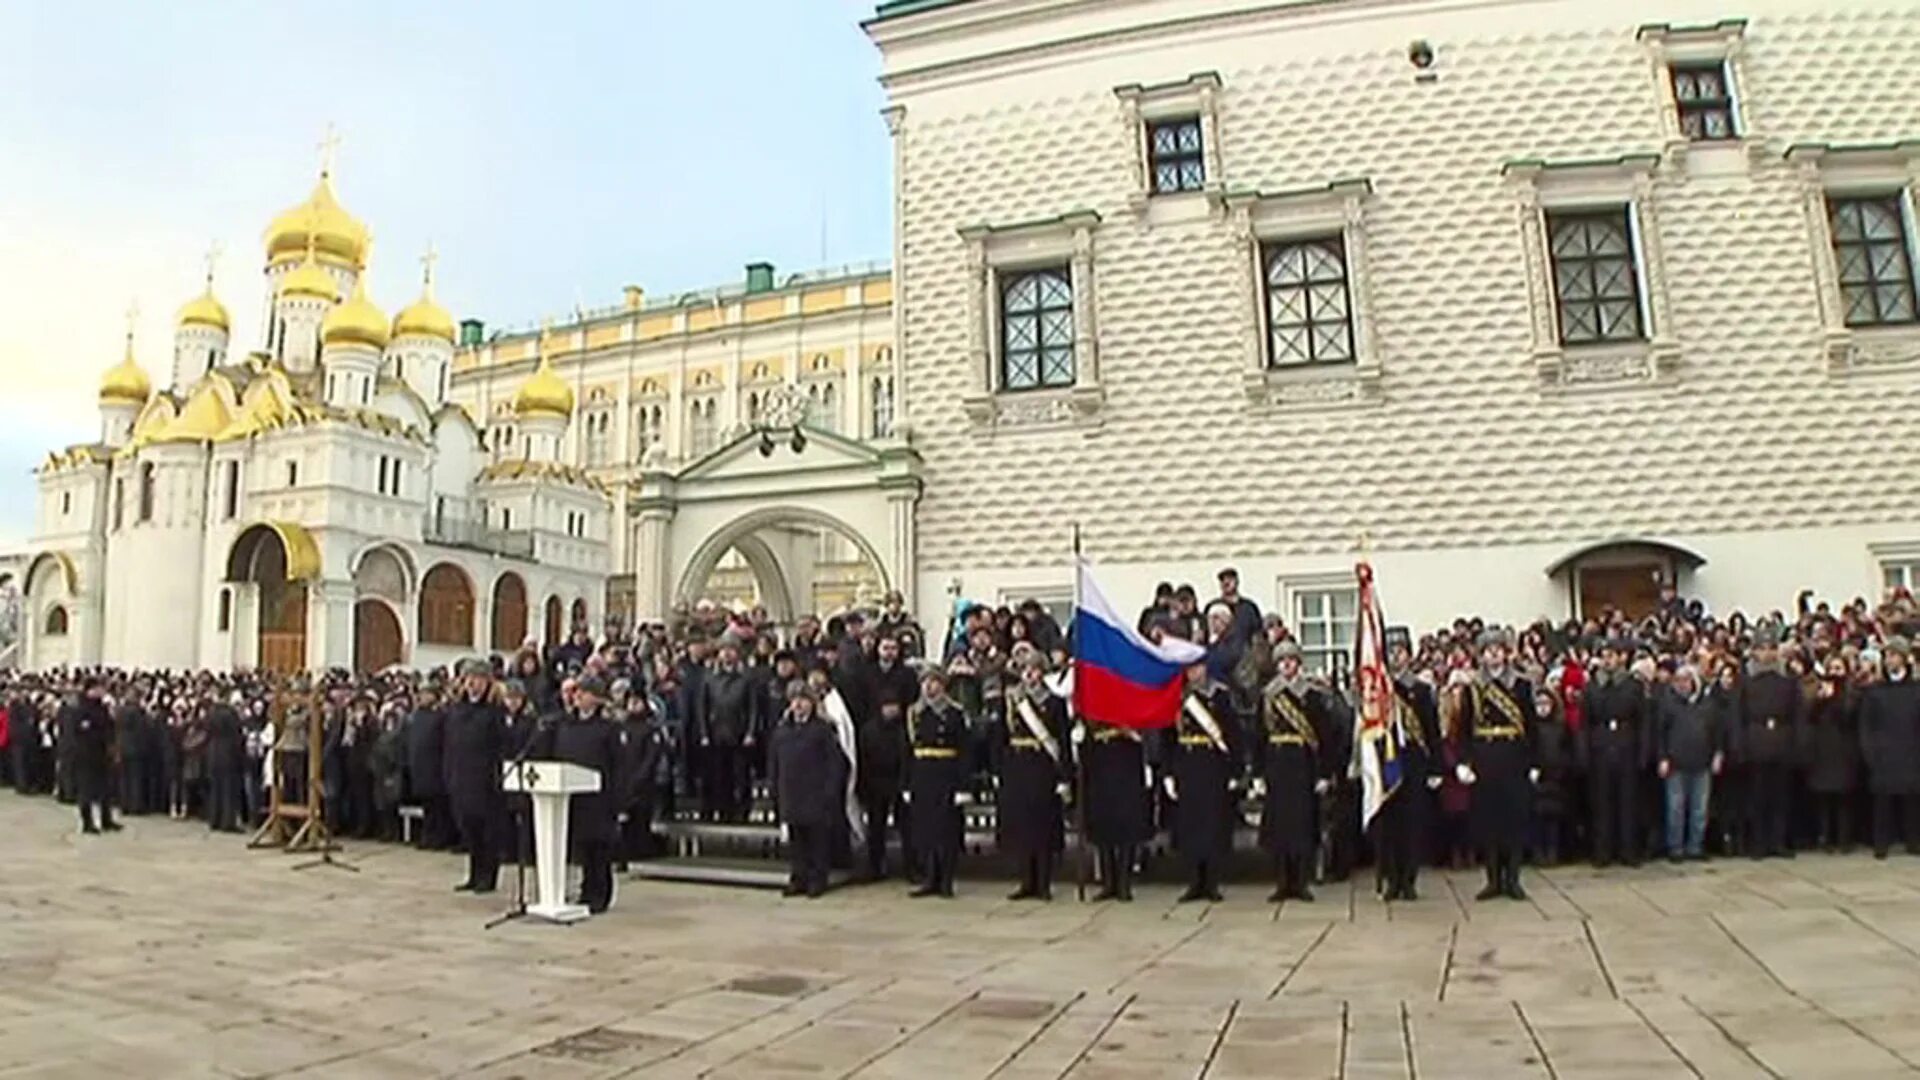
549, 785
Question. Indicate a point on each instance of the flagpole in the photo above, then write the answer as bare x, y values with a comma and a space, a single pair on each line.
1079, 756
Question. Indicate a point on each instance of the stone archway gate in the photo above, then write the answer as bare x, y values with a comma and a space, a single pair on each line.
684, 521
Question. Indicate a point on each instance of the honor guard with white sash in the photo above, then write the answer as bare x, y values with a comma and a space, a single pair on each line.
936, 778
1499, 765
1289, 775
1400, 828
1034, 765
1118, 813
1203, 781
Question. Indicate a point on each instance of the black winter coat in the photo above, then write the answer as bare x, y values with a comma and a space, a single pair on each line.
475, 745
808, 772
592, 743
1769, 719
1890, 737
728, 708
1833, 743
425, 759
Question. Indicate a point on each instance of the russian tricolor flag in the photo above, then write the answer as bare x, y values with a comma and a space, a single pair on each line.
1119, 677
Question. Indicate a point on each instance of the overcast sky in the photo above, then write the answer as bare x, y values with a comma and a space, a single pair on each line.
551, 153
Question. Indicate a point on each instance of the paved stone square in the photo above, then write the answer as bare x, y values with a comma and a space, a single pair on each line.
169, 951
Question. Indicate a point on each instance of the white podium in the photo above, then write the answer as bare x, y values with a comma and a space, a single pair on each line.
549, 785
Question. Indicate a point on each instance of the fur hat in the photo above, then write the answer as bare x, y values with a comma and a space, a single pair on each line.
591, 684
1496, 635
473, 665
1286, 648
1897, 644
1398, 635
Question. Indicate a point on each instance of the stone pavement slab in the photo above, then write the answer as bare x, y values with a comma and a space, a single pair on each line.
168, 951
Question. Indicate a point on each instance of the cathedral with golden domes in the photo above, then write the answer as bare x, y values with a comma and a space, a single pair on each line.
315, 501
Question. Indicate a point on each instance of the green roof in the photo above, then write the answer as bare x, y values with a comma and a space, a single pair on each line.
893, 9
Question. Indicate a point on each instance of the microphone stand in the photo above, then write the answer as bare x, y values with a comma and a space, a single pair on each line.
517, 909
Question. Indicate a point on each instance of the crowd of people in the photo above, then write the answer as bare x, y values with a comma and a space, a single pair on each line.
1681, 733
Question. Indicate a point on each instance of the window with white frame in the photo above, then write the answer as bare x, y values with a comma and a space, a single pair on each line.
1175, 129
599, 439
647, 426
1873, 250
1033, 341
1308, 336
1595, 275
1703, 97
1309, 311
703, 425
1323, 623
1900, 573
1594, 271
1036, 328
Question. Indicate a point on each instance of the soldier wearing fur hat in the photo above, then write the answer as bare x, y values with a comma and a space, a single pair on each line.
1890, 742
1204, 762
475, 749
936, 776
586, 736
1767, 724
1499, 765
1400, 828
1033, 761
1618, 735
1290, 772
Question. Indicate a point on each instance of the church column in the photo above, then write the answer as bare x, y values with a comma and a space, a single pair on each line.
652, 553
904, 571
330, 625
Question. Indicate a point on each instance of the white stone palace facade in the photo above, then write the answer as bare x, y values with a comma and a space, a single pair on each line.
1544, 297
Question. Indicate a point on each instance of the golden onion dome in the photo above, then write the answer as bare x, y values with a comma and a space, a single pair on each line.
205, 310
544, 393
309, 279
125, 383
320, 223
424, 317
357, 322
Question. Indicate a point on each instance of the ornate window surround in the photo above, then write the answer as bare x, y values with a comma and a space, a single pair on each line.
1724, 42
1824, 170
996, 249
1540, 186
1196, 95
1259, 218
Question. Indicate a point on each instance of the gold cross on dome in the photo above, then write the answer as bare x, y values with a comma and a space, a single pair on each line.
427, 259
211, 258
133, 316
329, 145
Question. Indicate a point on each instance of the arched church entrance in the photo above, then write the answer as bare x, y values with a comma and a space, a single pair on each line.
277, 560
377, 644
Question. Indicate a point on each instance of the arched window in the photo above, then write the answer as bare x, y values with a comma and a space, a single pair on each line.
882, 419
702, 427
509, 613
146, 491
556, 615
579, 614
446, 607
56, 625
226, 610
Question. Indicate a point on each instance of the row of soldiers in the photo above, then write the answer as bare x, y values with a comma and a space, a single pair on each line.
1293, 756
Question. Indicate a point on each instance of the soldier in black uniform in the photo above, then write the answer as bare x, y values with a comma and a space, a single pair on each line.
1890, 742
1618, 742
587, 737
1118, 812
425, 738
226, 760
937, 730
1767, 725
86, 736
1400, 828
1289, 774
1499, 764
474, 741
808, 772
1032, 759
1204, 763
883, 755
